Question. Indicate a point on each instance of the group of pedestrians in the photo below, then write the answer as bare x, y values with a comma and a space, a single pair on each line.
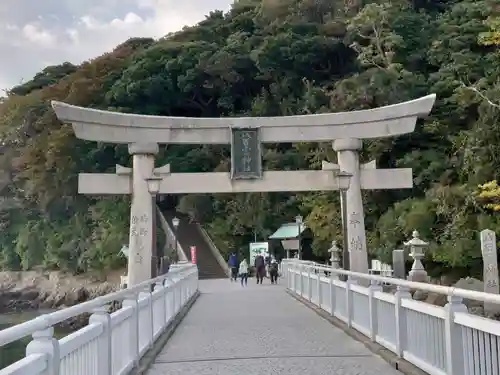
242, 269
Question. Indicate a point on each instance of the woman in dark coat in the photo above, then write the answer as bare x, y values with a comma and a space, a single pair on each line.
260, 268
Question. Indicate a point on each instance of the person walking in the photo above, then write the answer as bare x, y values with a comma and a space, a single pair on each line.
267, 259
273, 271
243, 271
260, 268
232, 262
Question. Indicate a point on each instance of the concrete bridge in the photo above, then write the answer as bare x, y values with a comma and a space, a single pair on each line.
312, 322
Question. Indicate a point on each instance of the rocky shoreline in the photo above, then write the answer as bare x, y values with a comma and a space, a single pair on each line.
38, 290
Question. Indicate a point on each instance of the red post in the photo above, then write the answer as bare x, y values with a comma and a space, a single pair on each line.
193, 254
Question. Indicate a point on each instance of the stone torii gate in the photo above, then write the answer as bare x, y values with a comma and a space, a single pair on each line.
245, 134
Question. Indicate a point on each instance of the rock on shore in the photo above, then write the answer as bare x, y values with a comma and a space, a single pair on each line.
39, 290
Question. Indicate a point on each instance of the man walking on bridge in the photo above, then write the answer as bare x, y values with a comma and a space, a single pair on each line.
260, 268
233, 265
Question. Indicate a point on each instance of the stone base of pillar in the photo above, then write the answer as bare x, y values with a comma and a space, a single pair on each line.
418, 276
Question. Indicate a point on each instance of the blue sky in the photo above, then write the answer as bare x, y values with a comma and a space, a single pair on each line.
37, 33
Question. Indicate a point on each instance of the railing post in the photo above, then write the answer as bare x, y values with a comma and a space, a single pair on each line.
309, 285
183, 288
101, 316
180, 298
301, 281
372, 303
44, 342
293, 275
174, 294
333, 277
401, 339
149, 299
319, 289
348, 301
285, 276
168, 304
161, 319
197, 278
453, 337
290, 279
194, 282
177, 294
131, 302
187, 282
178, 284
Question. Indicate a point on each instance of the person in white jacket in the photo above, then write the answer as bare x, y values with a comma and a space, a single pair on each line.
243, 272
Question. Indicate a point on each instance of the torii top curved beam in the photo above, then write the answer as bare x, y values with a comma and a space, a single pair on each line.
115, 127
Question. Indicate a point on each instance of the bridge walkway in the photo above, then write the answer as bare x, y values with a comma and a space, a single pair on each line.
260, 329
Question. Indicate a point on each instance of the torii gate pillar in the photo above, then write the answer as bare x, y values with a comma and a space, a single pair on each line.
141, 239
348, 160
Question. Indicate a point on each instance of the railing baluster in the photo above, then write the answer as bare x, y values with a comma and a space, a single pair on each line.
102, 317
159, 288
401, 337
453, 337
146, 294
333, 290
318, 288
309, 284
132, 302
348, 302
372, 303
45, 343
168, 298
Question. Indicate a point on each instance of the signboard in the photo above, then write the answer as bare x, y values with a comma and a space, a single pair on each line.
246, 154
290, 244
257, 248
193, 254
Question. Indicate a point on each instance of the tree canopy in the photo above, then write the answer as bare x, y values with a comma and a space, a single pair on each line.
269, 58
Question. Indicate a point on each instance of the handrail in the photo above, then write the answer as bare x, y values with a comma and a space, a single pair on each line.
213, 248
46, 321
170, 234
439, 289
460, 341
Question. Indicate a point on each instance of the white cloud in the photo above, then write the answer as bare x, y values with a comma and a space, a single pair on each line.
39, 36
32, 33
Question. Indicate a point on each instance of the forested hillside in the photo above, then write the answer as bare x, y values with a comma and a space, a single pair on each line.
269, 58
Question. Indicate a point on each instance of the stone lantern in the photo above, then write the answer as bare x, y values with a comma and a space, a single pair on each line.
417, 247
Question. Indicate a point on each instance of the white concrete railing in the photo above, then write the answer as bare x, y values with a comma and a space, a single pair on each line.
438, 340
213, 248
111, 344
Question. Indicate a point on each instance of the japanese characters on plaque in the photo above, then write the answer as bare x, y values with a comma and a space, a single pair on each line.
490, 268
138, 231
490, 261
246, 154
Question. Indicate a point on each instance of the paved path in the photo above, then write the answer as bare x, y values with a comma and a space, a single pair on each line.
260, 330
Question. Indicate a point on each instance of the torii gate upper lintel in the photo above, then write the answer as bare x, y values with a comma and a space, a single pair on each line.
114, 127
143, 134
